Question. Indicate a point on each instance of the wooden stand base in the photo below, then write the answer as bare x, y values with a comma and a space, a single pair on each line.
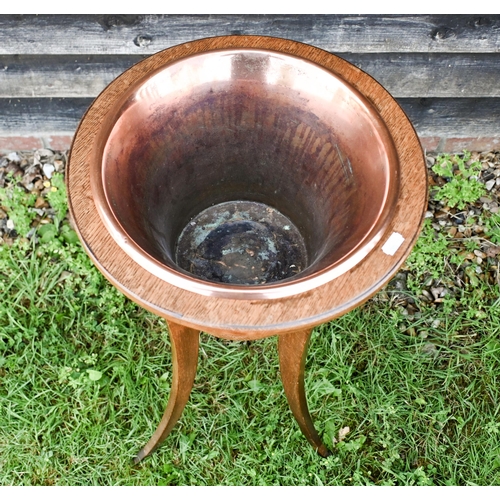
292, 351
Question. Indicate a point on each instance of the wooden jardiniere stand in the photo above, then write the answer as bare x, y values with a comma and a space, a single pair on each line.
246, 186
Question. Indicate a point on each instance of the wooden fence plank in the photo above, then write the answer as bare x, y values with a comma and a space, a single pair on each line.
402, 74
60, 75
435, 117
41, 116
146, 34
454, 117
433, 75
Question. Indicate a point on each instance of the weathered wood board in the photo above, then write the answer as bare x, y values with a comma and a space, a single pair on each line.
402, 74
146, 34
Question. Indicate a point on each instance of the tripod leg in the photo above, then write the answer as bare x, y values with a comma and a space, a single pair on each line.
185, 343
292, 351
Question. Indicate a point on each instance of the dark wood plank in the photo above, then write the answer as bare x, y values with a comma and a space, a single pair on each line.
402, 74
454, 117
431, 117
60, 75
146, 34
41, 116
433, 75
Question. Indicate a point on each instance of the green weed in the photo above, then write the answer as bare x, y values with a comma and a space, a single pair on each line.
18, 204
462, 185
493, 228
429, 255
57, 196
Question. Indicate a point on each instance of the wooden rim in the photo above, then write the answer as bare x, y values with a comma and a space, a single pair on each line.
251, 319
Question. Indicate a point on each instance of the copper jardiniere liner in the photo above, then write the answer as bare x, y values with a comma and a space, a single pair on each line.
246, 186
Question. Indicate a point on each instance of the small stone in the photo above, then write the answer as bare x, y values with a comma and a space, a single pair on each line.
489, 185
436, 323
10, 224
28, 179
48, 170
485, 199
411, 332
478, 253
429, 215
44, 153
494, 210
493, 252
14, 157
429, 349
14, 169
41, 203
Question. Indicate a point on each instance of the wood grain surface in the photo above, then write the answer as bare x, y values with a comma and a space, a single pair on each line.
147, 34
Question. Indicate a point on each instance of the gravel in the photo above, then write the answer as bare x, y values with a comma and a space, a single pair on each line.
32, 171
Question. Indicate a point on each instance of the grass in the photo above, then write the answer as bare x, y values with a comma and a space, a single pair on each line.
85, 375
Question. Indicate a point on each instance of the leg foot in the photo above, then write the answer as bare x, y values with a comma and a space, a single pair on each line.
185, 344
292, 350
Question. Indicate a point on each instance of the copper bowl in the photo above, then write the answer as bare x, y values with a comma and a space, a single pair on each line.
245, 125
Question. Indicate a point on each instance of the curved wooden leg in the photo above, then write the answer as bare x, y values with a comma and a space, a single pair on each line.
185, 343
292, 350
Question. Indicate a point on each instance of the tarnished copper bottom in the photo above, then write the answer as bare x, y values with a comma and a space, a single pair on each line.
248, 125
241, 242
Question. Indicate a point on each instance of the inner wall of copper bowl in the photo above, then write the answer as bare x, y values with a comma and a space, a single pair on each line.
248, 125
